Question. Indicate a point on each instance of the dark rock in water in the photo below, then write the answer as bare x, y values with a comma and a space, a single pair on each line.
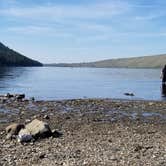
20, 96
13, 130
8, 95
129, 94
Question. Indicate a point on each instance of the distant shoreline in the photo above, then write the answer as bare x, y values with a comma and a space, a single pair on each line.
59, 66
154, 61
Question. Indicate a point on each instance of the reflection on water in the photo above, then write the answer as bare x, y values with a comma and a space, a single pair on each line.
11, 72
64, 83
7, 74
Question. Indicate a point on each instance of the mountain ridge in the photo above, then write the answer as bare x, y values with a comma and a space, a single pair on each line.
153, 61
9, 57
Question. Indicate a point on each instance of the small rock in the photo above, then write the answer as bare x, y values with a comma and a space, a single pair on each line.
138, 148
8, 95
46, 117
113, 158
42, 156
32, 98
27, 120
56, 134
24, 136
68, 117
151, 103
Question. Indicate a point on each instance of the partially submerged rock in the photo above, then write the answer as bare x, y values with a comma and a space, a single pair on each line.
13, 130
8, 95
12, 97
19, 96
129, 94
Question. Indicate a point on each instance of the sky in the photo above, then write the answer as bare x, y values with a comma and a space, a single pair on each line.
55, 31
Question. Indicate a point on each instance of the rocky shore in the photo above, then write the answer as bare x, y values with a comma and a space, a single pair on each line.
93, 132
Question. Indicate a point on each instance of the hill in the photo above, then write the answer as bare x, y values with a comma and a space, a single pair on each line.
9, 57
155, 61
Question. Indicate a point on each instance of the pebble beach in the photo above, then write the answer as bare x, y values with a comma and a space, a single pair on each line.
92, 132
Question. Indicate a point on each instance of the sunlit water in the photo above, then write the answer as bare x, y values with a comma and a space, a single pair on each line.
65, 83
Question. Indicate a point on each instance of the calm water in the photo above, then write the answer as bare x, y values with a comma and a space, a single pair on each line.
66, 83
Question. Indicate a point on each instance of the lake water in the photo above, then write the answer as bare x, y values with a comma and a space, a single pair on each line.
69, 83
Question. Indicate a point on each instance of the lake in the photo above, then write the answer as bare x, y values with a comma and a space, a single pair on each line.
50, 83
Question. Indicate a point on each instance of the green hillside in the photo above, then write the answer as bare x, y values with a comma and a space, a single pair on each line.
155, 61
9, 57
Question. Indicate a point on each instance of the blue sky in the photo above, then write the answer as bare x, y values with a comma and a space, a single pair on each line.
83, 30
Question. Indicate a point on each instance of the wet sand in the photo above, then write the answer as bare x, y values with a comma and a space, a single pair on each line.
94, 132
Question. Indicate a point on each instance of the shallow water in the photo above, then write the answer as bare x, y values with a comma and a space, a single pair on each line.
50, 83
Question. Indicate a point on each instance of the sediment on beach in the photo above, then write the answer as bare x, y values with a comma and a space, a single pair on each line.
93, 132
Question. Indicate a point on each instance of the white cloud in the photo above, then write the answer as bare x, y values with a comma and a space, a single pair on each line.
65, 19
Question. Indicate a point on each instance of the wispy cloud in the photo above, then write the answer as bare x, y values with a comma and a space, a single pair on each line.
111, 25
150, 16
71, 19
91, 11
39, 30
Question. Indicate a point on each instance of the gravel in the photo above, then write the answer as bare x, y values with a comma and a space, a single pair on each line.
93, 132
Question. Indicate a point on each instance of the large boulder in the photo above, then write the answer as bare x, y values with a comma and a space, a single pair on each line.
13, 130
37, 129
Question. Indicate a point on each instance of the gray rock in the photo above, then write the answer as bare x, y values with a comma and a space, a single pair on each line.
24, 136
38, 129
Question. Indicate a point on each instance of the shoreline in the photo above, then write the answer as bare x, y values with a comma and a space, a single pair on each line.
94, 132
129, 98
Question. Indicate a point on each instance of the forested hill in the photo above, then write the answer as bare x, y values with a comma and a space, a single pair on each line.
155, 61
9, 57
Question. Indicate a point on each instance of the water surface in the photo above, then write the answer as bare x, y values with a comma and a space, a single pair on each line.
65, 83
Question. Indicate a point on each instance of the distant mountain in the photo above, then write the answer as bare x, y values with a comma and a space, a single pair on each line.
9, 57
155, 61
